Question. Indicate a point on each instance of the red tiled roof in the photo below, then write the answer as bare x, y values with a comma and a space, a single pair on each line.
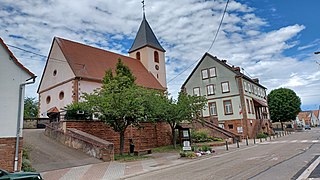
15, 59
304, 115
92, 63
316, 113
53, 110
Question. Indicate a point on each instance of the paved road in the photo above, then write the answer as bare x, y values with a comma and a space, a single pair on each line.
283, 158
47, 154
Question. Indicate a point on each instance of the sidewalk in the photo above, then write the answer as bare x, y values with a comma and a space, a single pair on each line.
116, 170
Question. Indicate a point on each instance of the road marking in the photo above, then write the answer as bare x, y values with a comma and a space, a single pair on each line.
303, 141
309, 170
294, 141
315, 141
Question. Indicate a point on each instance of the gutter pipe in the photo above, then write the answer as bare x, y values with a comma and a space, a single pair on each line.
21, 88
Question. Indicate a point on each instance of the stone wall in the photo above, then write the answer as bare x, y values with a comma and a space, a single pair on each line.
85, 142
149, 135
7, 153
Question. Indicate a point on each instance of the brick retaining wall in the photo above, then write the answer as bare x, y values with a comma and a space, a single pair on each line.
87, 143
7, 153
150, 135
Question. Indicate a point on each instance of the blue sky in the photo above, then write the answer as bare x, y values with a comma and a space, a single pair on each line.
273, 40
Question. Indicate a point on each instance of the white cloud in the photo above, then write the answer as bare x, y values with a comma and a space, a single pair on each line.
184, 27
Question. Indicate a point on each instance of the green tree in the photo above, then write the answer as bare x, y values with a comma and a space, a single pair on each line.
185, 109
78, 111
121, 102
284, 104
30, 108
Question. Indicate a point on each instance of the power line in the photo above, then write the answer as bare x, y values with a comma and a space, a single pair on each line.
216, 35
213, 41
37, 54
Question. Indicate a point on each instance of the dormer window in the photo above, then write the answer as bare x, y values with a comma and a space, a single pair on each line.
138, 55
156, 56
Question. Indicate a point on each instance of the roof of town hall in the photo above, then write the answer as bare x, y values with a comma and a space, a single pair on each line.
223, 64
91, 63
15, 60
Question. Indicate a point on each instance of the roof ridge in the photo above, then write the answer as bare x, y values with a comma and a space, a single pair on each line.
15, 59
100, 49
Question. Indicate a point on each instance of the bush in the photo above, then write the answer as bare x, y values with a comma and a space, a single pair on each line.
215, 138
200, 135
26, 164
74, 109
261, 136
188, 154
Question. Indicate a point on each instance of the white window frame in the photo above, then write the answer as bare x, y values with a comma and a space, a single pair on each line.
196, 91
204, 74
212, 72
223, 87
245, 86
227, 107
209, 88
213, 109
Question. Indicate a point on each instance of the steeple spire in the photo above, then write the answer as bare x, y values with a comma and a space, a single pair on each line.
143, 9
145, 35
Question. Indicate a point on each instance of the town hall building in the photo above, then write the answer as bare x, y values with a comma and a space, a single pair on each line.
236, 102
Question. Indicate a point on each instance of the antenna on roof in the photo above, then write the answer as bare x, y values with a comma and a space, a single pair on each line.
143, 9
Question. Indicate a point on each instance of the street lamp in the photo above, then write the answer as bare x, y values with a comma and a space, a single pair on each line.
317, 52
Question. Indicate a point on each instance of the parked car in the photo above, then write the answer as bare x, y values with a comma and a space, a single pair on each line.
307, 127
19, 175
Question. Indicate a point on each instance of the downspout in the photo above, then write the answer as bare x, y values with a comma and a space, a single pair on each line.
21, 87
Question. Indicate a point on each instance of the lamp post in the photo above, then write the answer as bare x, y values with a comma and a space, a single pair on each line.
317, 52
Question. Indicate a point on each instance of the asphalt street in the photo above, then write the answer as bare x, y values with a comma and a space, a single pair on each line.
46, 154
289, 157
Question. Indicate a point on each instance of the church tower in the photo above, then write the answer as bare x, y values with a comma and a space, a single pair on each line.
148, 50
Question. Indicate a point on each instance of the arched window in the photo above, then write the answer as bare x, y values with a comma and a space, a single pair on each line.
156, 56
138, 55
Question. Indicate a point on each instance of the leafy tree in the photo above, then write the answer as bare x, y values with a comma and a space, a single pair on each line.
78, 110
30, 108
284, 104
185, 109
121, 102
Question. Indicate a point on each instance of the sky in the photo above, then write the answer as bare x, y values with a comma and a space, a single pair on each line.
273, 40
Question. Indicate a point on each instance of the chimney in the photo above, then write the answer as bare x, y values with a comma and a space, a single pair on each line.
236, 68
256, 80
224, 61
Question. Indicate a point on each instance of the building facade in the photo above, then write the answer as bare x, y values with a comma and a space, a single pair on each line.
235, 102
13, 77
73, 68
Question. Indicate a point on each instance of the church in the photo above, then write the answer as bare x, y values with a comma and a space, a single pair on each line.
73, 68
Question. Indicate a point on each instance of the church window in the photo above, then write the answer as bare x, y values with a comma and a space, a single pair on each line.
55, 72
138, 55
156, 56
48, 99
61, 95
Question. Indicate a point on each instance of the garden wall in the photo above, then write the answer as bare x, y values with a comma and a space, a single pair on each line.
150, 135
85, 142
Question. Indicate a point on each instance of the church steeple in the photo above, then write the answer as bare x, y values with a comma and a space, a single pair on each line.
148, 50
145, 37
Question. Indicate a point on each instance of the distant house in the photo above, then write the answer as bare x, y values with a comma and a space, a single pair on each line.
13, 77
308, 118
316, 121
235, 102
73, 68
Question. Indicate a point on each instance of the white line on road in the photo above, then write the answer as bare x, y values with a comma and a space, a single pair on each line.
315, 141
294, 141
303, 141
309, 170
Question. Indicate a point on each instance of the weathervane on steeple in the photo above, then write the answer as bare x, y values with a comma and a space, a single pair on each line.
143, 9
